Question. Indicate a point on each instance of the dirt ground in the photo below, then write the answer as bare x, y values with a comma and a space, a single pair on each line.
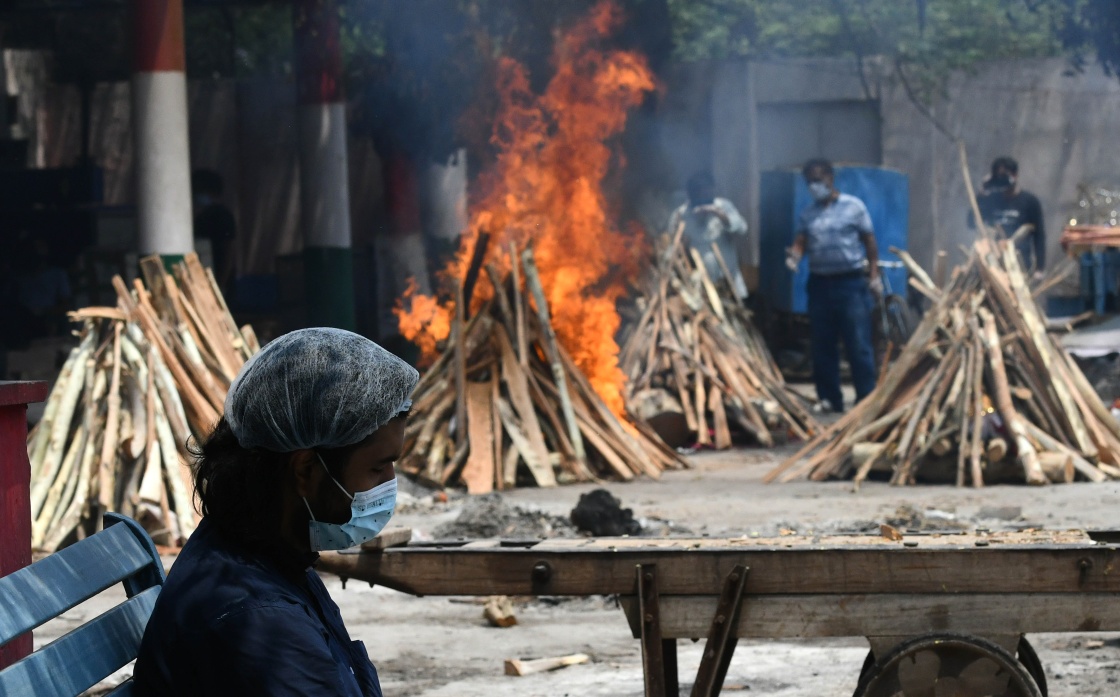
442, 647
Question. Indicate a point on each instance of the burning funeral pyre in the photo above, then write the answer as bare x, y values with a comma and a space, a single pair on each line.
554, 405
980, 394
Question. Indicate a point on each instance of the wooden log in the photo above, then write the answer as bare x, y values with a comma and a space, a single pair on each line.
62, 525
437, 453
532, 279
719, 419
459, 360
177, 474
996, 450
495, 420
70, 388
517, 384
974, 448
1027, 456
473, 268
515, 666
917, 272
478, 474
498, 611
518, 306
707, 285
864, 455
1058, 467
968, 386
108, 458
1083, 466
1038, 344
54, 498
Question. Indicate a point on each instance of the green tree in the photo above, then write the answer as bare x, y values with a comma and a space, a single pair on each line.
926, 40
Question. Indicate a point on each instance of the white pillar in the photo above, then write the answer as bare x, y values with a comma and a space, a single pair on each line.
159, 126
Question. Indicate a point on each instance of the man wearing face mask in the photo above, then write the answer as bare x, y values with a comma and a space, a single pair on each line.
835, 232
301, 461
710, 220
1004, 205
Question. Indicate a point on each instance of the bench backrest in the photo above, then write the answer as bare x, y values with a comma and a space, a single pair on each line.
121, 553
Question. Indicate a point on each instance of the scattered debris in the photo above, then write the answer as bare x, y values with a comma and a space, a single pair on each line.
600, 514
498, 611
490, 516
519, 667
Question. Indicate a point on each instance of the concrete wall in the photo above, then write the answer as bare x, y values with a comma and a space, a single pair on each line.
1063, 127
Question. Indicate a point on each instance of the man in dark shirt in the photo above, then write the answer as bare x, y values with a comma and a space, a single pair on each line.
1005, 206
213, 221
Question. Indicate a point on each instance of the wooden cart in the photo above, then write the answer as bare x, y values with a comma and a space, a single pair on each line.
942, 611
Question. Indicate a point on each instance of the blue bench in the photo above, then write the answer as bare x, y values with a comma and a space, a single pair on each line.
121, 553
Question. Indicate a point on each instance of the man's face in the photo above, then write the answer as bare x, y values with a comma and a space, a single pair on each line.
1003, 179
369, 466
819, 174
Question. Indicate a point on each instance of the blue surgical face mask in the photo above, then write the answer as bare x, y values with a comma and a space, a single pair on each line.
369, 512
820, 191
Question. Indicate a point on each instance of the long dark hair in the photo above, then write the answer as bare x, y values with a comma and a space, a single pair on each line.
242, 490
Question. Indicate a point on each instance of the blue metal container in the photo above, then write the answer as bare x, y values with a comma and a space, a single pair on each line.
886, 193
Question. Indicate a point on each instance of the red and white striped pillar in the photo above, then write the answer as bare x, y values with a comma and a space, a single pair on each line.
324, 183
159, 126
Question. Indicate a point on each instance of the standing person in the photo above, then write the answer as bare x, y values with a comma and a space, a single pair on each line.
301, 461
1004, 205
709, 219
835, 231
214, 221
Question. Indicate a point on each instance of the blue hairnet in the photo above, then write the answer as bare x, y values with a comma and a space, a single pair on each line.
317, 388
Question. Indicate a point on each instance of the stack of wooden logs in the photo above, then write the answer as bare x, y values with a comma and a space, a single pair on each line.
504, 393
981, 393
145, 376
695, 348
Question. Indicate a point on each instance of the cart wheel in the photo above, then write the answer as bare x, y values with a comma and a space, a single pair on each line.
864, 672
1030, 661
947, 664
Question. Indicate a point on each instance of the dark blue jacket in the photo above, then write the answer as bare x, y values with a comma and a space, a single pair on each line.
234, 623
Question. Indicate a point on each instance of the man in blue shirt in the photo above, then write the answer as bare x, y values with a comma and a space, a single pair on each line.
836, 233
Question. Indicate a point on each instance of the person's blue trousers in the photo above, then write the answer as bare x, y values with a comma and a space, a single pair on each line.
840, 308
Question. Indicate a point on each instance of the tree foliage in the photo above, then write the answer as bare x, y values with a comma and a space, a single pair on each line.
928, 39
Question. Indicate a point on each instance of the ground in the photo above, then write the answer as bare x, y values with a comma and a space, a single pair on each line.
441, 647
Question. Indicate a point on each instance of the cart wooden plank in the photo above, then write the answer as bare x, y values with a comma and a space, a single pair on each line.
1001, 564
788, 616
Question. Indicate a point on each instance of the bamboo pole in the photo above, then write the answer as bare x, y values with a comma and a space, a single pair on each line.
532, 279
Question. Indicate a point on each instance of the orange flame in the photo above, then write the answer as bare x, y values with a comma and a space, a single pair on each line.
546, 189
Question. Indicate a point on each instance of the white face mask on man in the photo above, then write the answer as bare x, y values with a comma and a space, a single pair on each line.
820, 191
370, 511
